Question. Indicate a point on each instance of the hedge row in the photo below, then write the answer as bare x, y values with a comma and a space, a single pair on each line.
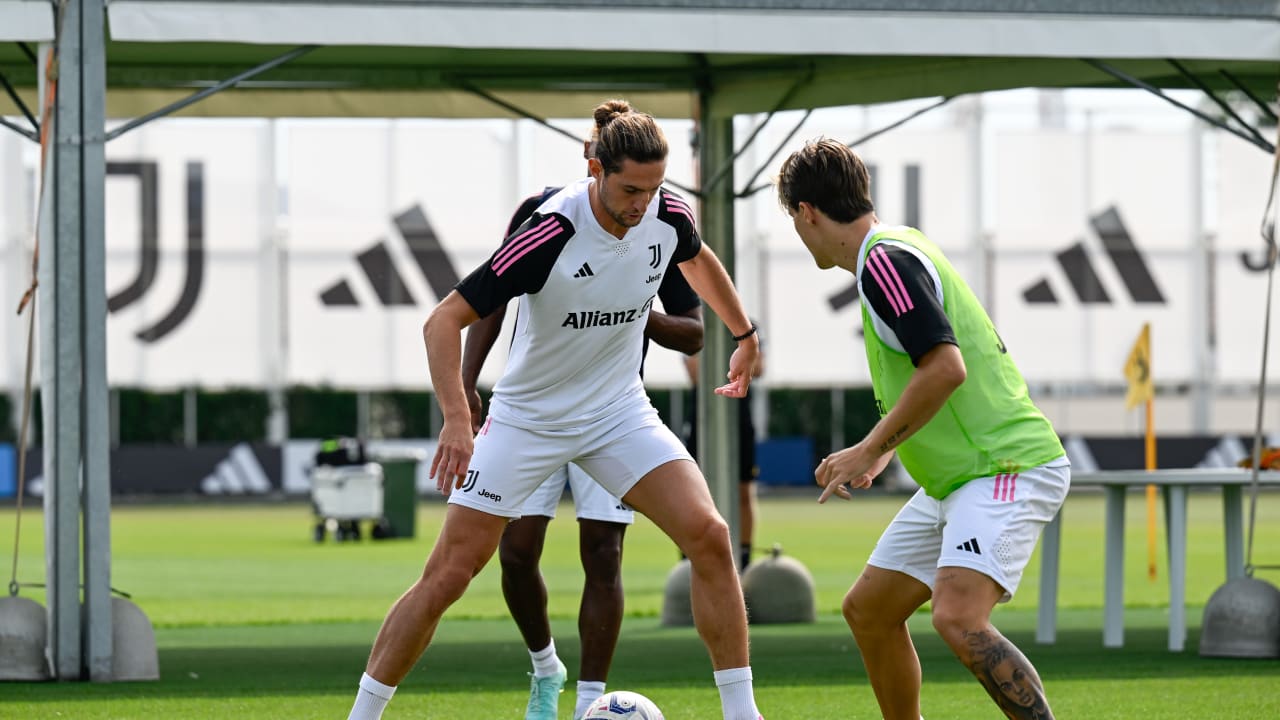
241, 415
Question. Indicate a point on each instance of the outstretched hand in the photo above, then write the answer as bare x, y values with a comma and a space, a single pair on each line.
741, 365
854, 467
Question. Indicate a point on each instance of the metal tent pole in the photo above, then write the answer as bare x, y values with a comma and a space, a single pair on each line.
718, 451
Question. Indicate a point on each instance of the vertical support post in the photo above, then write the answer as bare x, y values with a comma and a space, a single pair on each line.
1050, 552
1113, 603
190, 418
96, 489
62, 328
1176, 527
837, 419
73, 354
1202, 290
1233, 530
717, 416
60, 355
15, 226
363, 407
273, 291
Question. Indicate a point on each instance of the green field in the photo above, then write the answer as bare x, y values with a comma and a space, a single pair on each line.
254, 620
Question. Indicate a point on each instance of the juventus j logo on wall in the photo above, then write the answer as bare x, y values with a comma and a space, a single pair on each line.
147, 174
379, 269
1083, 277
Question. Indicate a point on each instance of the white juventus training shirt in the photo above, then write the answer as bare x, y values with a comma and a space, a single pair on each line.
585, 297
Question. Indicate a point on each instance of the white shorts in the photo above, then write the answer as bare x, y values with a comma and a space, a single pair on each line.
590, 500
989, 524
509, 463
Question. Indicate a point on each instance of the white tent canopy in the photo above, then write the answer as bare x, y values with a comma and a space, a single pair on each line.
397, 58
991, 29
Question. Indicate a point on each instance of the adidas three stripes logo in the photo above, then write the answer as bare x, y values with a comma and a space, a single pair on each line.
584, 271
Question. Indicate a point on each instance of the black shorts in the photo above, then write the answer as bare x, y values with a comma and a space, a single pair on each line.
748, 469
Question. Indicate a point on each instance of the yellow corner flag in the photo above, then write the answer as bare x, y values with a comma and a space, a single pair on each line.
1137, 369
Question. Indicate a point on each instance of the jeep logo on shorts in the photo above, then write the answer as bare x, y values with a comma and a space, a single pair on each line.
486, 494
470, 482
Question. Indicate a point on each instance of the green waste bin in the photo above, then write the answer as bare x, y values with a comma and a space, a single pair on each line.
399, 491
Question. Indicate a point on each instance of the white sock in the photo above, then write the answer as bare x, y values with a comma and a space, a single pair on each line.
545, 662
371, 699
588, 692
737, 699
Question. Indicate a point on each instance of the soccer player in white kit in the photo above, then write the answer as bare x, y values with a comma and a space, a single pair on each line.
955, 409
602, 518
585, 268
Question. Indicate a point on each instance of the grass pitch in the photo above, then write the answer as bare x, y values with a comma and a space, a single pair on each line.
255, 620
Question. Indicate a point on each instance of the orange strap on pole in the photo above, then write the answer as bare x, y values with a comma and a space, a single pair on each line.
1151, 491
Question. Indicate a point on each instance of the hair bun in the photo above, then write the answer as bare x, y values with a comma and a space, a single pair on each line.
606, 111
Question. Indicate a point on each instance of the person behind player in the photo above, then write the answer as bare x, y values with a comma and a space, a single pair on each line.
956, 410
602, 518
584, 268
748, 469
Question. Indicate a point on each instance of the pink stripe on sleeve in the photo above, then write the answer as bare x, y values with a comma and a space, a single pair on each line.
515, 243
676, 205
680, 211
892, 273
501, 266
884, 286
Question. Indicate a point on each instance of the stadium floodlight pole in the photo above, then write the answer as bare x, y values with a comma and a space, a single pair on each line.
1226, 108
197, 97
1126, 77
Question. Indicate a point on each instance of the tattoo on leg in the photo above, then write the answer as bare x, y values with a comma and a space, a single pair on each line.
1007, 675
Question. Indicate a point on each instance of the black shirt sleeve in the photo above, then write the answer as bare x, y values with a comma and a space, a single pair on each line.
520, 266
676, 295
673, 210
902, 293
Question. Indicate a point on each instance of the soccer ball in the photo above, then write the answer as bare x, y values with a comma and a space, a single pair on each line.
623, 705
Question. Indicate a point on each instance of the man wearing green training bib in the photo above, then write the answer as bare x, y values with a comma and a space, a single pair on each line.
955, 409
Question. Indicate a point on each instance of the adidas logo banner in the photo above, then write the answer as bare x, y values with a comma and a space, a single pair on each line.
276, 253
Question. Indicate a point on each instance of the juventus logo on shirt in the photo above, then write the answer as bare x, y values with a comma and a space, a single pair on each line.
655, 256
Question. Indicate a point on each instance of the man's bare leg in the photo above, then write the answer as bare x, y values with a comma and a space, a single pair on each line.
467, 541
962, 604
877, 608
676, 498
522, 586
600, 614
